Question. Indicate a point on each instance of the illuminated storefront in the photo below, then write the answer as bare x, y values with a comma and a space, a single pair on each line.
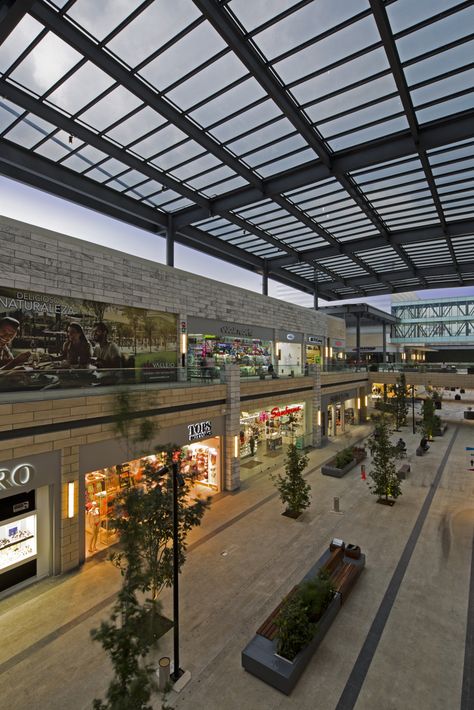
268, 431
289, 353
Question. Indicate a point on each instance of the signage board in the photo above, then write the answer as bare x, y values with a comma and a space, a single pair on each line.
200, 430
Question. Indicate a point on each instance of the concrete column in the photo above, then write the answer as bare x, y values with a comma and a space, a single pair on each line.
384, 343
170, 242
363, 393
343, 417
232, 428
315, 371
358, 337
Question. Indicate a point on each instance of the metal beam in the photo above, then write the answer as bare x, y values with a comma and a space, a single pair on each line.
11, 13
98, 56
432, 135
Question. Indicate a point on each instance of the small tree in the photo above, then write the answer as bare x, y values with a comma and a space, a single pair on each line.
430, 422
294, 492
384, 480
399, 402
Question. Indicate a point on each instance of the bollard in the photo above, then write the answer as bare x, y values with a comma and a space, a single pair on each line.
336, 505
163, 672
362, 472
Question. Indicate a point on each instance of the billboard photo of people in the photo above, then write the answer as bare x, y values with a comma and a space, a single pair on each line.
55, 341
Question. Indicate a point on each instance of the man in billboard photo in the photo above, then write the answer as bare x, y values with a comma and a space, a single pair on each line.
8, 329
108, 355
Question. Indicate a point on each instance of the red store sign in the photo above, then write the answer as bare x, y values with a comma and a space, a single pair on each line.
277, 412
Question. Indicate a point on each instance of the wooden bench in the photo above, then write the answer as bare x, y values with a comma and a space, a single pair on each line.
269, 629
335, 559
343, 579
403, 471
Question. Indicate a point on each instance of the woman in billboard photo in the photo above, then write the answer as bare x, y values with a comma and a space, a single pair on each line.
77, 351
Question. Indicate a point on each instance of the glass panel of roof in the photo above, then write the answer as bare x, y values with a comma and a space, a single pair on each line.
304, 24
341, 76
356, 118
232, 100
443, 62
276, 150
246, 120
226, 186
211, 177
59, 3
351, 39
58, 146
130, 130
460, 164
184, 56
18, 40
183, 152
114, 167
98, 174
155, 26
29, 131
148, 188
212, 78
365, 134
111, 108
160, 141
84, 158
430, 37
100, 18
449, 178
446, 108
345, 100
45, 64
83, 86
8, 113
464, 150
163, 196
177, 205
196, 166
259, 137
131, 178
252, 15
286, 163
406, 13
443, 87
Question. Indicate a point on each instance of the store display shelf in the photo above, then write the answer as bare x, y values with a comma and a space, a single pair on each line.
23, 561
16, 542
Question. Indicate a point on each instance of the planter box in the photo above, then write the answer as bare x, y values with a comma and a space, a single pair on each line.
259, 656
329, 470
468, 414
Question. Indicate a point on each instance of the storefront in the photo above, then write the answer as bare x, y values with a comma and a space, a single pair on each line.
201, 463
30, 505
266, 432
339, 411
289, 353
214, 343
313, 350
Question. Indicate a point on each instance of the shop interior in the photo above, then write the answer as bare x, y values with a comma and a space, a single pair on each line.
252, 355
264, 434
289, 358
200, 462
313, 355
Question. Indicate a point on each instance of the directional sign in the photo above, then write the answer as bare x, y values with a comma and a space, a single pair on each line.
469, 448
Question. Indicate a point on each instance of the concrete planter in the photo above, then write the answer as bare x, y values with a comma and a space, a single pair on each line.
329, 470
468, 414
260, 658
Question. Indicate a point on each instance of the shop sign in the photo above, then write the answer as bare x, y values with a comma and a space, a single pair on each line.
201, 430
236, 332
17, 476
314, 339
277, 412
290, 336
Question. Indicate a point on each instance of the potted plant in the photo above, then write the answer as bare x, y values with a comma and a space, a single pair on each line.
294, 491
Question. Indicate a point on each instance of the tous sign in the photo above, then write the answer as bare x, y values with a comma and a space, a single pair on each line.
17, 477
277, 412
199, 431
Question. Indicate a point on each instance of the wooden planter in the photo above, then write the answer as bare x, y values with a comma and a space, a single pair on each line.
330, 470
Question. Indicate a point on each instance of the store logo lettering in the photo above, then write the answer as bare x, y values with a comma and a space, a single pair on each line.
17, 477
199, 431
277, 412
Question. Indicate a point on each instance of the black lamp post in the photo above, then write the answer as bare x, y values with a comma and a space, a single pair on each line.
413, 406
177, 672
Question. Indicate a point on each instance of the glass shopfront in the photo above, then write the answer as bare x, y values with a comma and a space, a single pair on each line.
313, 354
200, 460
267, 432
209, 351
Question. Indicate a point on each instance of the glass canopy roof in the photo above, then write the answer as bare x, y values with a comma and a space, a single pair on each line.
323, 143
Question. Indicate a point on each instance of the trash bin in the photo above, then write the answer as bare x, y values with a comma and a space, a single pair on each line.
163, 672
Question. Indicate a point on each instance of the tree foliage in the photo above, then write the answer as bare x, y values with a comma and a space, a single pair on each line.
383, 480
430, 422
294, 491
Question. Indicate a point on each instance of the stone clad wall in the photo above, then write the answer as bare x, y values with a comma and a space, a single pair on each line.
37, 259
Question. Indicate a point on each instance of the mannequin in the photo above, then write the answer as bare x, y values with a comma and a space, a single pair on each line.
94, 524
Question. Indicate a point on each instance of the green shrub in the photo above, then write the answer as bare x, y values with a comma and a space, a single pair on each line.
343, 458
297, 620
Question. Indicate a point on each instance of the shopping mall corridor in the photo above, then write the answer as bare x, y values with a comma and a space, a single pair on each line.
399, 643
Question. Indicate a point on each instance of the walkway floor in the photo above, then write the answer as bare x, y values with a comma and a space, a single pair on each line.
399, 643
